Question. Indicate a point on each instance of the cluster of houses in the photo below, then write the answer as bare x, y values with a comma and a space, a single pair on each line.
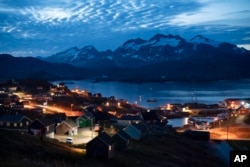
135, 127
103, 145
132, 126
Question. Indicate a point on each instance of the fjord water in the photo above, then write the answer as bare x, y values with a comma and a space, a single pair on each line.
164, 93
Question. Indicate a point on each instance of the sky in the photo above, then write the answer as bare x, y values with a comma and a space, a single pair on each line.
45, 27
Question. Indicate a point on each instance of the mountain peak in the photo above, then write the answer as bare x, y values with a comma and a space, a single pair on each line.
136, 41
89, 47
199, 39
68, 51
157, 37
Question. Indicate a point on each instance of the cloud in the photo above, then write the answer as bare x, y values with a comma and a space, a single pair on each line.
61, 24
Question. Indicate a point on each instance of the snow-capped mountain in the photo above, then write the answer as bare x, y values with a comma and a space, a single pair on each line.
80, 57
139, 52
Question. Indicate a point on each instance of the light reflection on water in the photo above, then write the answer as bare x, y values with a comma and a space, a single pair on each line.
179, 122
170, 92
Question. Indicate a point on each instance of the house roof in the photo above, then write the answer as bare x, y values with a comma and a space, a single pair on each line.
141, 126
133, 132
45, 121
131, 128
70, 123
105, 138
12, 118
123, 134
86, 117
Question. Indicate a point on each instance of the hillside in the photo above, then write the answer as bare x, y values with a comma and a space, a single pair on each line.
167, 150
30, 67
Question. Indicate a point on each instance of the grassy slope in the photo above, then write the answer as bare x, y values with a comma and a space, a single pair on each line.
168, 150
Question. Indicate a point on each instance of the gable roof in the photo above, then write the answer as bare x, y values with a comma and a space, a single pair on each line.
133, 132
141, 126
45, 121
105, 138
86, 117
70, 123
123, 134
13, 118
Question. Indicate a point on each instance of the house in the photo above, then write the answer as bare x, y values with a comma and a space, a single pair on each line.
142, 127
43, 127
235, 103
150, 117
101, 146
133, 132
17, 122
121, 140
17, 105
126, 120
68, 127
84, 121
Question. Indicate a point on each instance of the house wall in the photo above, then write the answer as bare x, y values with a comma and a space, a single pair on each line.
62, 129
97, 149
120, 143
82, 123
127, 122
23, 124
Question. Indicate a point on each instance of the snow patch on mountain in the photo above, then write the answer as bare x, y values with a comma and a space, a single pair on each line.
167, 41
68, 55
199, 39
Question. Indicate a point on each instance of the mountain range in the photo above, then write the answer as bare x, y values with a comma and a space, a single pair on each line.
161, 58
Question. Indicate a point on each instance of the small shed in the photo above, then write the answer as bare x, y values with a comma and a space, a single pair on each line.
43, 127
101, 146
67, 127
121, 140
133, 132
84, 121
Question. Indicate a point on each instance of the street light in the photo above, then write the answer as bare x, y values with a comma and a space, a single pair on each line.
227, 133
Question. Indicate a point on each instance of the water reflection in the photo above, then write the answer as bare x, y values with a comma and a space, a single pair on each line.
164, 93
178, 122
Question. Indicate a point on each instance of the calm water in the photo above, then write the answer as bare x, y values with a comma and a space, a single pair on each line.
170, 92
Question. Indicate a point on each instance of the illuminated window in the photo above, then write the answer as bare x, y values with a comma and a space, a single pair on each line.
110, 148
21, 124
7, 124
15, 124
27, 123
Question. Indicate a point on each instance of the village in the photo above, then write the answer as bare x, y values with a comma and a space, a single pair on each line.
104, 125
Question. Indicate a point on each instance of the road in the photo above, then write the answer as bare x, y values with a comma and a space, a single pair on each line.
84, 136
233, 129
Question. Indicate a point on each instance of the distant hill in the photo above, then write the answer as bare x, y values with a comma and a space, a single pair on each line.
29, 67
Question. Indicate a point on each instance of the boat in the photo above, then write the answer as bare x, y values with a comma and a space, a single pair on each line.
152, 100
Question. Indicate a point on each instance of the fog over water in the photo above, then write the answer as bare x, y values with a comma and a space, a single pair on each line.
164, 93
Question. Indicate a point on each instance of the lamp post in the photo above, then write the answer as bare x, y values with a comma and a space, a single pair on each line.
227, 133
